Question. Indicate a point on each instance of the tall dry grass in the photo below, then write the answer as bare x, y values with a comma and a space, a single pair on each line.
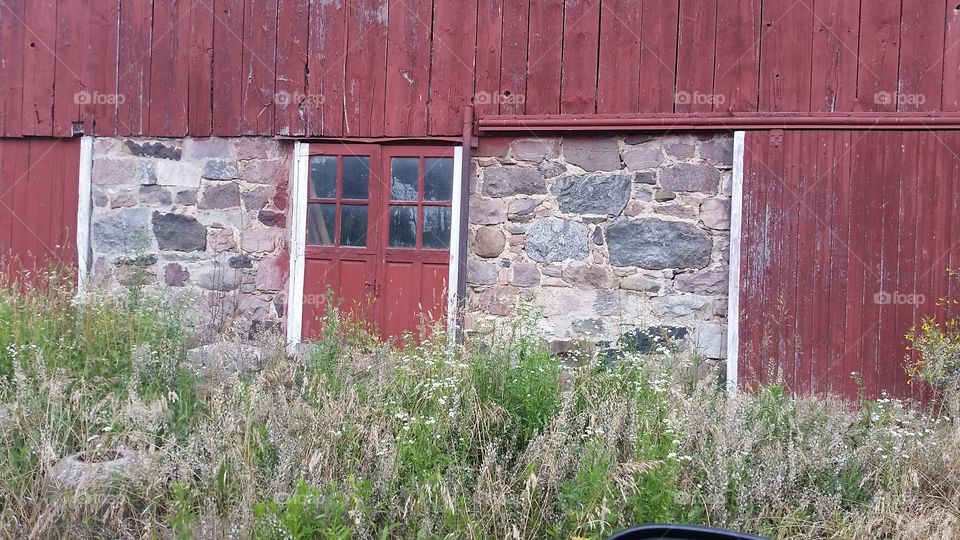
356, 439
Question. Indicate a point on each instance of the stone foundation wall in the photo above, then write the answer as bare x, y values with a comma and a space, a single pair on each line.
203, 217
604, 237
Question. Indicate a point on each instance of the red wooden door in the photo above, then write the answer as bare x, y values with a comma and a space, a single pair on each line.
39, 179
847, 238
378, 236
341, 244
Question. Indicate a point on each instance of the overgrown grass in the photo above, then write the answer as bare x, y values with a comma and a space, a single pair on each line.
357, 439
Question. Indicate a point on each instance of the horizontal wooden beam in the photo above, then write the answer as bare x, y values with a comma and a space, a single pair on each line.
717, 121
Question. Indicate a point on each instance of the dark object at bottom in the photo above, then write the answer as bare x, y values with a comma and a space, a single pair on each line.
679, 532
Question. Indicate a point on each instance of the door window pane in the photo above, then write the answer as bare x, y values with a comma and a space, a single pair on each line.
321, 219
403, 226
323, 177
438, 179
436, 227
404, 179
356, 177
353, 225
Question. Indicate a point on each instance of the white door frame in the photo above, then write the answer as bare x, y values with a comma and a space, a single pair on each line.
733, 293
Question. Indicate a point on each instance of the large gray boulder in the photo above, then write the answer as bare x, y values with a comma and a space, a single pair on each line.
656, 244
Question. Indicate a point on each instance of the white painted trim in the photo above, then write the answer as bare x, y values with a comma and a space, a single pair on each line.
733, 294
298, 240
453, 274
84, 211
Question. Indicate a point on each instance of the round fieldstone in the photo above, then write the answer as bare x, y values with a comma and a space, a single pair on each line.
506, 181
602, 193
656, 244
220, 169
175, 275
555, 240
177, 232
489, 242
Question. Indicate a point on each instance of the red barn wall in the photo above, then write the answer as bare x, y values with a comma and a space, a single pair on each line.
847, 238
405, 67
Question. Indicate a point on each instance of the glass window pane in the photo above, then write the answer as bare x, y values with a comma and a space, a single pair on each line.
323, 177
321, 219
353, 225
436, 227
438, 179
403, 226
404, 178
356, 177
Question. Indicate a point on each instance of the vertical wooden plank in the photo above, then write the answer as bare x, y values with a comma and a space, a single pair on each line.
618, 81
785, 60
695, 56
40, 40
834, 77
838, 379
30, 203
325, 64
487, 83
134, 67
581, 41
513, 59
855, 261
293, 23
228, 76
819, 196
408, 67
70, 95
951, 59
365, 73
259, 67
545, 48
737, 56
921, 55
879, 50
751, 260
68, 198
12, 77
789, 230
169, 56
100, 68
658, 59
7, 178
907, 231
200, 77
890, 338
451, 75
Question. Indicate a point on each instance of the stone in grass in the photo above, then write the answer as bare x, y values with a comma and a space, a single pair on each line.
650, 340
222, 361
103, 469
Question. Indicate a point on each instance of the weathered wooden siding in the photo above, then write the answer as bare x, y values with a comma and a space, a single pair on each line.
847, 236
406, 67
38, 201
